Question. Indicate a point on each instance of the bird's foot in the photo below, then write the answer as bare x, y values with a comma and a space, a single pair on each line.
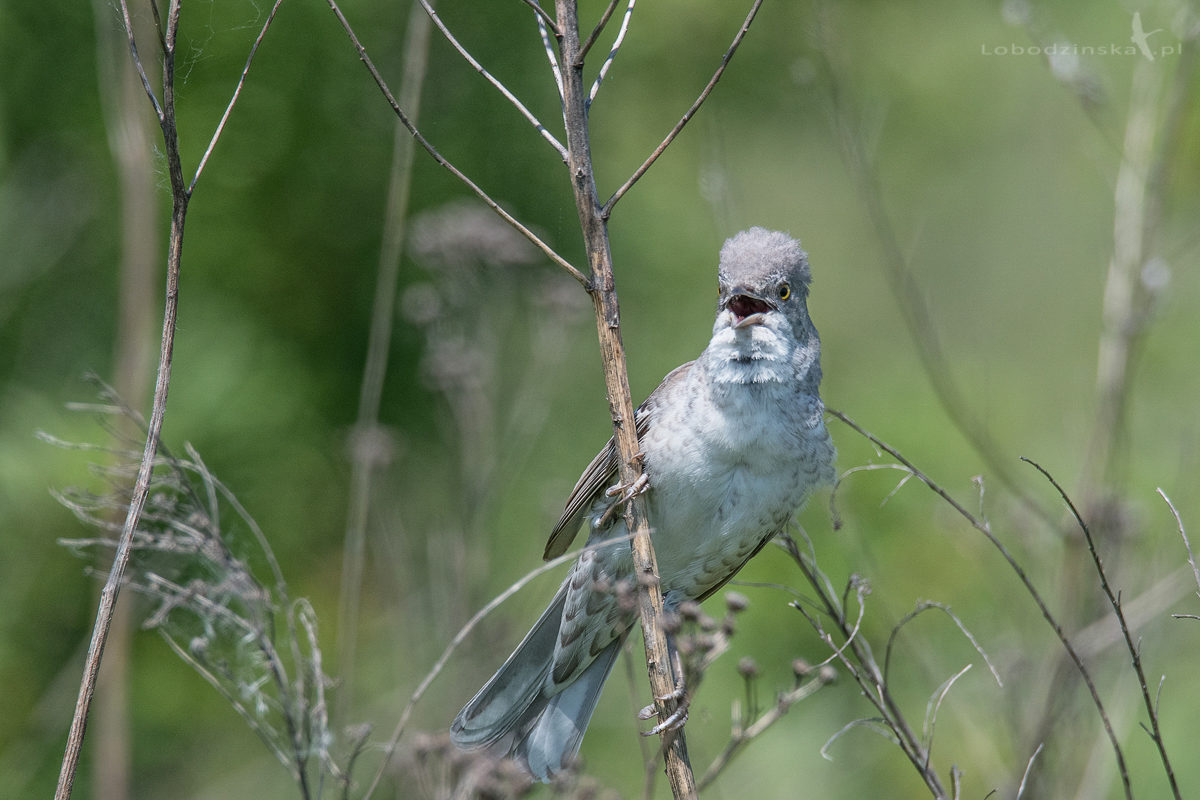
673, 722
679, 696
627, 492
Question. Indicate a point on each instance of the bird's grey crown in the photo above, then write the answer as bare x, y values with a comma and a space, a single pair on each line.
757, 255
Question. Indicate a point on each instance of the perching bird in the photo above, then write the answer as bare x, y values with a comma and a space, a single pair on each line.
734, 442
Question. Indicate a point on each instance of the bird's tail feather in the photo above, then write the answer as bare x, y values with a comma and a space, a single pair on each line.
519, 713
499, 706
553, 737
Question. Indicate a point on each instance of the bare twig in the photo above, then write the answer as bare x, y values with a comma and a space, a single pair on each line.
500, 87
1115, 602
137, 61
921, 608
130, 139
440, 159
112, 586
616, 378
932, 708
744, 735
586, 47
366, 446
1028, 769
212, 143
1183, 533
691, 112
1026, 581
390, 748
549, 46
856, 656
911, 300
612, 53
1147, 158
543, 15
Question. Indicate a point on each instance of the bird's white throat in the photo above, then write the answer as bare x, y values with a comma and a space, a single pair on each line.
754, 354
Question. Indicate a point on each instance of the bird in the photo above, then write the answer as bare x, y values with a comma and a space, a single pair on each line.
733, 444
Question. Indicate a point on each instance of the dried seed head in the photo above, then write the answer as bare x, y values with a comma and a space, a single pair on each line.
736, 602
689, 610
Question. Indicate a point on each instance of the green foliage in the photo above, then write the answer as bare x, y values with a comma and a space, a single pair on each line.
998, 171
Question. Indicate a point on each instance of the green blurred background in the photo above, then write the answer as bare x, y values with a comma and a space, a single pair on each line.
998, 169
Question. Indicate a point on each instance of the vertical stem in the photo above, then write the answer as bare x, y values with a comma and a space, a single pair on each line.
141, 488
367, 436
1125, 296
129, 140
616, 378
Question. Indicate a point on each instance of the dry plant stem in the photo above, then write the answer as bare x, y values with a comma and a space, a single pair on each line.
509, 96
440, 159
616, 378
606, 211
130, 139
743, 736
366, 443
612, 53
864, 669
212, 143
586, 47
1187, 545
1026, 581
108, 595
1118, 611
463, 632
1146, 164
543, 15
911, 299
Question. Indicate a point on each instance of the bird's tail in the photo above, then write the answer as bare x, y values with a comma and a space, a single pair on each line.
520, 713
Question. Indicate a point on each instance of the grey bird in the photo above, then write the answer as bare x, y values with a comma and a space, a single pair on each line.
733, 443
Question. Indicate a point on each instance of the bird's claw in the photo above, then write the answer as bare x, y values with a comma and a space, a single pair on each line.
628, 491
677, 693
672, 723
679, 716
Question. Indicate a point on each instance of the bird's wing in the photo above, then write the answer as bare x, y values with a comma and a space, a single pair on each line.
600, 474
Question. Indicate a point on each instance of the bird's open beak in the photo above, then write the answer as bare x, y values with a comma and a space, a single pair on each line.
748, 309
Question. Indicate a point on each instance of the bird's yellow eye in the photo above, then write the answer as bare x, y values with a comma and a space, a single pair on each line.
785, 291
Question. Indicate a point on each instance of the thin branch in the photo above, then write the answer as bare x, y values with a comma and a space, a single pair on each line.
911, 300
262, 731
1115, 602
586, 47
934, 705
876, 724
453, 170
141, 488
367, 447
212, 143
1029, 769
743, 736
921, 608
612, 53
1183, 533
616, 379
500, 87
863, 668
549, 47
137, 61
1026, 581
390, 748
691, 112
543, 15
